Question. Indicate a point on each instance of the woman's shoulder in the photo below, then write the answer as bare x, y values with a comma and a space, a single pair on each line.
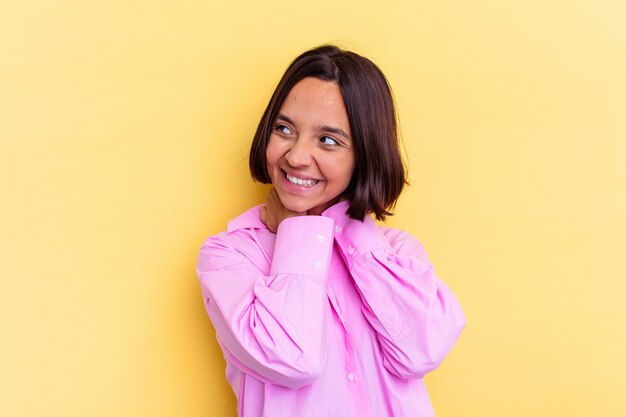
242, 240
239, 231
394, 234
403, 241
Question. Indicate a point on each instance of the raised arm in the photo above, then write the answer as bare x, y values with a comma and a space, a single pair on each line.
415, 315
269, 318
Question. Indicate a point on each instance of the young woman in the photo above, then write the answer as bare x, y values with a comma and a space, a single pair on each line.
318, 310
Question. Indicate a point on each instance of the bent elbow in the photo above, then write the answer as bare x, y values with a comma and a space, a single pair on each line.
299, 380
411, 369
305, 373
408, 363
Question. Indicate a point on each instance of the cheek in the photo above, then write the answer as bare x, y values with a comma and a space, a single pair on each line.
271, 171
271, 159
346, 172
275, 152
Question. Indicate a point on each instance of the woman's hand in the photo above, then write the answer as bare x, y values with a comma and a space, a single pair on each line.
273, 212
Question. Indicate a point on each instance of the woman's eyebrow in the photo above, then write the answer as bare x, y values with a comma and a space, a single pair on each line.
331, 129
284, 118
336, 130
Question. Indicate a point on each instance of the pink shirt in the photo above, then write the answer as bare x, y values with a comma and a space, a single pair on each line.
330, 316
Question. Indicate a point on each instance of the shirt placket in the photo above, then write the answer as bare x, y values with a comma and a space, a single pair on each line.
353, 378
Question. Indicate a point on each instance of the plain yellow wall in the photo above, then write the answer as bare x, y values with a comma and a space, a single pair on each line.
124, 131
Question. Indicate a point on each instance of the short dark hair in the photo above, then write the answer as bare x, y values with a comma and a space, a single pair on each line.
379, 174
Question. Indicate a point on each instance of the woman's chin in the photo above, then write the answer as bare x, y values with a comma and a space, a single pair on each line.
312, 210
302, 205
297, 206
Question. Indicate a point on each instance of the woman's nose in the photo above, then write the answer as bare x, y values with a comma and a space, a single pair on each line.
300, 154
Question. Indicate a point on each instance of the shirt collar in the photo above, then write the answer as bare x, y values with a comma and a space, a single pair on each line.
248, 220
251, 219
338, 212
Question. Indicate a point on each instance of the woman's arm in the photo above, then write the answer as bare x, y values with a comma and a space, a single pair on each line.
270, 325
415, 315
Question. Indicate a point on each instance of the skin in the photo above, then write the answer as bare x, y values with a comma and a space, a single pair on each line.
274, 212
311, 141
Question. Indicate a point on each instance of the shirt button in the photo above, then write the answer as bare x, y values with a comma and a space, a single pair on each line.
350, 377
351, 250
337, 229
320, 238
317, 265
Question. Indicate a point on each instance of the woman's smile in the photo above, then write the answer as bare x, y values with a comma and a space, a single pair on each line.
310, 158
304, 182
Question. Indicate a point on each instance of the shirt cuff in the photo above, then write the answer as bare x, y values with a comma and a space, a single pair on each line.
303, 246
356, 238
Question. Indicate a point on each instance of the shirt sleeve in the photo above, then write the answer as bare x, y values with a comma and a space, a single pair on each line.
416, 317
270, 326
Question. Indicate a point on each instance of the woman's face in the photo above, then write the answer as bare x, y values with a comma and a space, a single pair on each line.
310, 158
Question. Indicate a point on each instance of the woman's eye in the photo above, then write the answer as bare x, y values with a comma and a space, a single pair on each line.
327, 140
283, 129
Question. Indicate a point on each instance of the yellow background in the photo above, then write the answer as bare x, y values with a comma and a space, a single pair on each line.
124, 131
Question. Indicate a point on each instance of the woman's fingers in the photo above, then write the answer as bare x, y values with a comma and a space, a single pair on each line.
274, 212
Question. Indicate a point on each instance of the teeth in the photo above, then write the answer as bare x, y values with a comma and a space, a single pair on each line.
298, 181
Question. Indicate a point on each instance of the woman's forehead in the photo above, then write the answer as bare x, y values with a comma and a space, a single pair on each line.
315, 102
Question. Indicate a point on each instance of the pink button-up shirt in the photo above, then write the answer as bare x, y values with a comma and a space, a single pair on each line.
330, 316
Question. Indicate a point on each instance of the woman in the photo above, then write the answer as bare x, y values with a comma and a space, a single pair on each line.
318, 310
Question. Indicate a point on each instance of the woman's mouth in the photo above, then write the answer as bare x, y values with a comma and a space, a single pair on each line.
301, 182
